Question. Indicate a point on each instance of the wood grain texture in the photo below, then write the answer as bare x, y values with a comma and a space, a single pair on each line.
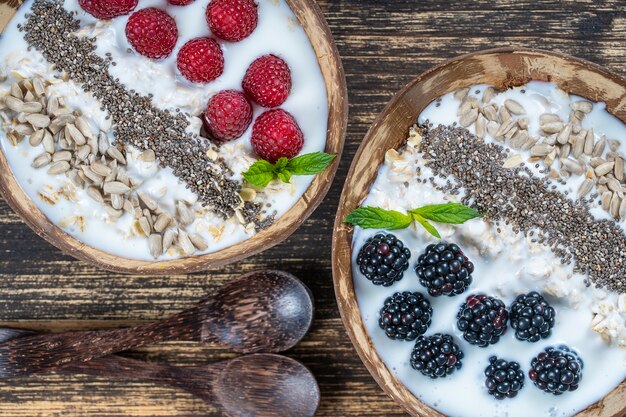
383, 44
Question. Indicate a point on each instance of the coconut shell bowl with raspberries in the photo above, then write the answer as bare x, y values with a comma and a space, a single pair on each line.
501, 68
310, 17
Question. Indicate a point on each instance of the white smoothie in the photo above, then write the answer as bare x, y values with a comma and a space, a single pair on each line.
589, 320
278, 32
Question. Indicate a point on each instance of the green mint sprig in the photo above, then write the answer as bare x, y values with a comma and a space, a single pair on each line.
378, 218
262, 172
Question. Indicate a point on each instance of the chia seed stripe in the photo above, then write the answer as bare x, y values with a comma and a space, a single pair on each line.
50, 29
527, 203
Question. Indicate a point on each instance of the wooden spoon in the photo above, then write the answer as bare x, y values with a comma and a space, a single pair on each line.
263, 311
275, 385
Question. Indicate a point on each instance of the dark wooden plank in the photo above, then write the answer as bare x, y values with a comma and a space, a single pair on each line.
384, 44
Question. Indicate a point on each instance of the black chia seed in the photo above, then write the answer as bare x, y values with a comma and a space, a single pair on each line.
527, 203
50, 29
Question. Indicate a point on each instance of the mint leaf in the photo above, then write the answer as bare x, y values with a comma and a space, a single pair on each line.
260, 173
284, 175
281, 163
429, 227
310, 163
377, 218
451, 213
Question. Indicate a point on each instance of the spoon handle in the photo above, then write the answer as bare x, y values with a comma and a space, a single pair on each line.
38, 353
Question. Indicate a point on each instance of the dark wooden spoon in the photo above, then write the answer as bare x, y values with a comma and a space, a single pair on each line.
263, 311
274, 385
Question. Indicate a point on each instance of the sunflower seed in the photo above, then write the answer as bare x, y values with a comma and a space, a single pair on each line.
598, 148
39, 87
75, 178
42, 160
144, 226
622, 210
481, 126
553, 127
614, 205
29, 97
541, 149
83, 126
95, 193
613, 145
115, 187
101, 169
198, 241
60, 122
116, 154
512, 161
519, 139
578, 146
34, 108
36, 138
488, 94
16, 91
468, 118
24, 129
62, 156
582, 105
492, 128
576, 125
614, 185
585, 188
606, 200
589, 142
53, 105
169, 237
523, 122
13, 103
619, 168
464, 108
185, 243
596, 162
155, 244
113, 212
185, 214
563, 136
547, 118
103, 143
117, 201
83, 152
550, 140
461, 94
162, 222
59, 168
149, 202
504, 128
565, 151
72, 132
490, 113
514, 107
504, 115
128, 207
572, 166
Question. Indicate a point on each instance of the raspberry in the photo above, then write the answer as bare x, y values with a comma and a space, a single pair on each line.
200, 60
180, 2
444, 270
275, 135
228, 115
556, 370
383, 259
482, 319
108, 9
436, 356
152, 32
405, 315
532, 317
232, 20
504, 379
268, 81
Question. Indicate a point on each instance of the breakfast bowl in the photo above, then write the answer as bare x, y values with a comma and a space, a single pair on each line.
258, 216
483, 102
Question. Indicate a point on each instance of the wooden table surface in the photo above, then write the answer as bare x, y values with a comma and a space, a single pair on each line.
384, 44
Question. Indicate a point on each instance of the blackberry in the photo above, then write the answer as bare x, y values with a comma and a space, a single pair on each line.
444, 270
436, 356
532, 317
383, 259
482, 319
405, 315
504, 379
556, 370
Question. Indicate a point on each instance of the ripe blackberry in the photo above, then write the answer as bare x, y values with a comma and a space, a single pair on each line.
405, 315
444, 270
532, 317
383, 259
436, 356
556, 370
504, 379
482, 319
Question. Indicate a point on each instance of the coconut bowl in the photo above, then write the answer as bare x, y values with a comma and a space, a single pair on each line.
504, 67
312, 20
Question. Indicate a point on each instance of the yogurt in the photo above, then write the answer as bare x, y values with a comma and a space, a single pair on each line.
506, 264
278, 32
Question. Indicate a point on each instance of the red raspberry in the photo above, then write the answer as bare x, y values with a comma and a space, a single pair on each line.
268, 81
228, 115
232, 20
276, 134
180, 2
107, 9
201, 60
152, 32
